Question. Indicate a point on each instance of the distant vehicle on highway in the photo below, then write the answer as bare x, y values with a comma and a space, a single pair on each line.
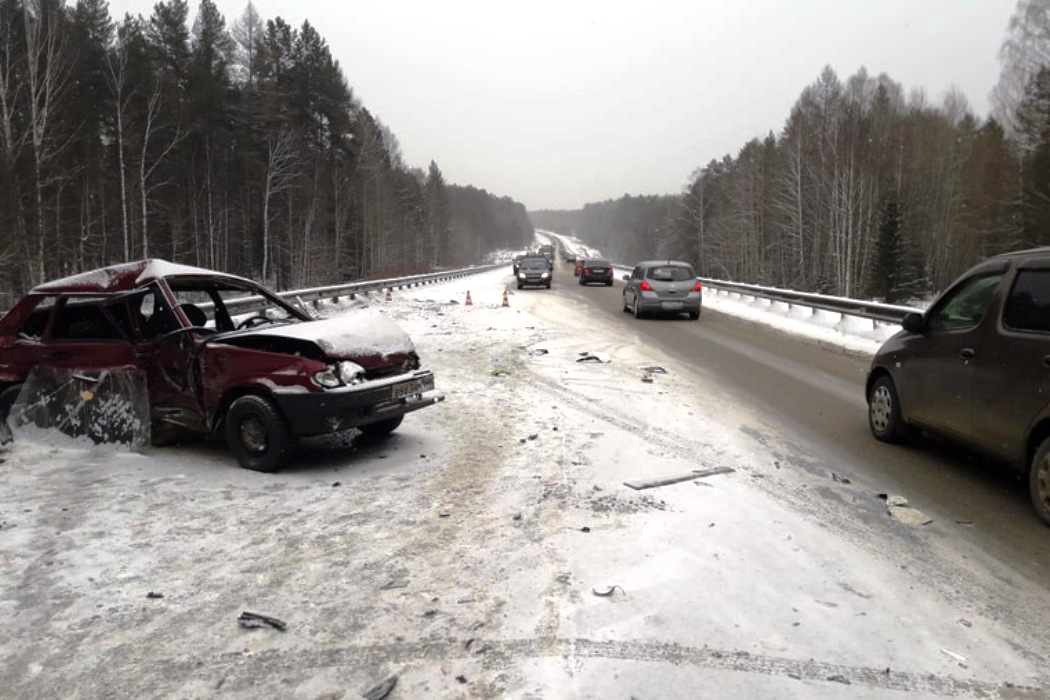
534, 271
662, 287
596, 271
570, 257
579, 266
547, 251
975, 367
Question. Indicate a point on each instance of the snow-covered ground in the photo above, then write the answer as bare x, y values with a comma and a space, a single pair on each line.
468, 554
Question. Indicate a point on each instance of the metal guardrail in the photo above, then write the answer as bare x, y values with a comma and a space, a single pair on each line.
250, 304
871, 310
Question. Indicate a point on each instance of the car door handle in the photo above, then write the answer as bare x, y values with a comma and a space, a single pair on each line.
967, 353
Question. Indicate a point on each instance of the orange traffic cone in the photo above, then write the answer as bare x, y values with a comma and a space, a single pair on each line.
389, 296
468, 302
506, 302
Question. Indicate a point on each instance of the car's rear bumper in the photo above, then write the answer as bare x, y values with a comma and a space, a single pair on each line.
656, 305
584, 279
318, 413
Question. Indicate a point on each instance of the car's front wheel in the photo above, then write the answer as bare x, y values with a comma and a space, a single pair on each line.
381, 428
884, 412
1039, 481
257, 434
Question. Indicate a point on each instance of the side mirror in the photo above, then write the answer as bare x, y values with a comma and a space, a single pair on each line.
626, 278
913, 322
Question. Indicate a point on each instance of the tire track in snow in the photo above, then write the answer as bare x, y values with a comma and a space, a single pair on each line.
503, 654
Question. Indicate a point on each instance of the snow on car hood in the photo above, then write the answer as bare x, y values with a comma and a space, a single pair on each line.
361, 332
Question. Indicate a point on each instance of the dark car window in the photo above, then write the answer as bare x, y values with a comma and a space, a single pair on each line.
1028, 308
534, 265
36, 323
670, 273
80, 321
966, 305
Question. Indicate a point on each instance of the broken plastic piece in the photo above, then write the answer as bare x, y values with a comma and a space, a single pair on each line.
839, 479
606, 592
461, 678
958, 657
397, 583
839, 678
593, 357
154, 595
695, 474
908, 516
382, 690
252, 620
654, 370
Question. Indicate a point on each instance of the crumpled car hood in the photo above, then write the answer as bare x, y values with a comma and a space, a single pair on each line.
362, 334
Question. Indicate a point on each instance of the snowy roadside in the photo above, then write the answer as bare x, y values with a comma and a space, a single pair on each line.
502, 512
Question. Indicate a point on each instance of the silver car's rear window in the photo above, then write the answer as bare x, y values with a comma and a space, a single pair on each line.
670, 273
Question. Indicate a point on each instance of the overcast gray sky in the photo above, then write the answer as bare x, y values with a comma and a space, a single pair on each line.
561, 103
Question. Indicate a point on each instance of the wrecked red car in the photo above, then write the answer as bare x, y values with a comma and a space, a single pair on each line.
221, 355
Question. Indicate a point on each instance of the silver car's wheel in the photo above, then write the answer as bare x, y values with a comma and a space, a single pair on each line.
637, 308
1039, 482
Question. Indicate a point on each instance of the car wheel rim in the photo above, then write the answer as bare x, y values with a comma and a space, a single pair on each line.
253, 435
881, 408
1042, 484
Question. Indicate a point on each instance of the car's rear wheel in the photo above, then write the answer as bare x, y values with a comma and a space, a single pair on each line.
381, 428
1039, 481
694, 315
884, 412
636, 308
257, 434
626, 308
7, 399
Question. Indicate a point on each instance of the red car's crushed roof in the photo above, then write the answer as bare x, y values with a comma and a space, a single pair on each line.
125, 277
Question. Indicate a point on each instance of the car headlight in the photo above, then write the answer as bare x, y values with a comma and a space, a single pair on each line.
328, 378
544, 275
521, 276
351, 373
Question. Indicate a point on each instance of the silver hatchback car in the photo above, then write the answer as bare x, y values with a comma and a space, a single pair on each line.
662, 287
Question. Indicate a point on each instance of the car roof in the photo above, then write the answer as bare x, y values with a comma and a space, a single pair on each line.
126, 277
654, 263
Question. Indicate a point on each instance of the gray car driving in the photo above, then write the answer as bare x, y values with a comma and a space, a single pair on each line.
662, 287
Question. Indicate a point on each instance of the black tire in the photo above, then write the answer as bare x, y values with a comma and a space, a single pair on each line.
609, 283
548, 285
257, 434
884, 413
626, 308
381, 428
520, 285
1039, 481
7, 399
636, 309
694, 315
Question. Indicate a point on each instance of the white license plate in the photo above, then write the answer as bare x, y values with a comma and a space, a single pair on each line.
672, 305
415, 387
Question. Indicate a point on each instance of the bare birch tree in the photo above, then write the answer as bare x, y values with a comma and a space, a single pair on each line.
282, 169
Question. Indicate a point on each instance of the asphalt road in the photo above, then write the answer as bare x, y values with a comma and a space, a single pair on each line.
809, 401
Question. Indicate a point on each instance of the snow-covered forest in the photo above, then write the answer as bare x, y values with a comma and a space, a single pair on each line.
866, 189
237, 146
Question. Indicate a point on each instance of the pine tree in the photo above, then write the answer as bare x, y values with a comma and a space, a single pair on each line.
885, 276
